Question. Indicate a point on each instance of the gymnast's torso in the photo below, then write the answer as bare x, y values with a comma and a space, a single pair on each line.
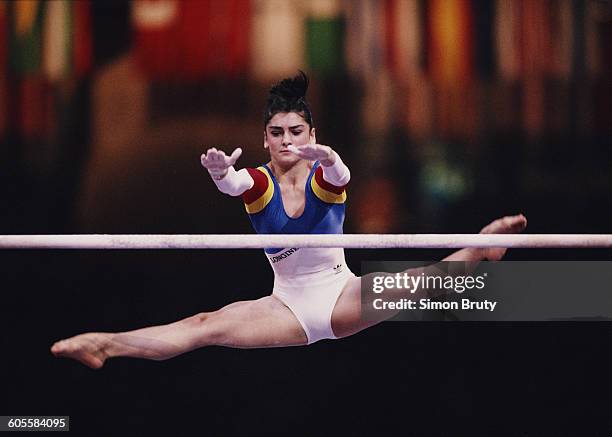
323, 213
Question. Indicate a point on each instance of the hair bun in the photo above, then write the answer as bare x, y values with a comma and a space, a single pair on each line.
293, 88
289, 95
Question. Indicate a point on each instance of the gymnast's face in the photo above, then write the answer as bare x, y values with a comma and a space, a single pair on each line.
284, 129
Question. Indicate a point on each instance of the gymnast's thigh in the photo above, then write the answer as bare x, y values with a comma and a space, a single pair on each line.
346, 317
265, 322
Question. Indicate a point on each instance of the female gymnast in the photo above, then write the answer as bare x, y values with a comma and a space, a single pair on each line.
315, 295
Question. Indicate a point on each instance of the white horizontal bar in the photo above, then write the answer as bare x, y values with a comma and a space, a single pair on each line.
254, 241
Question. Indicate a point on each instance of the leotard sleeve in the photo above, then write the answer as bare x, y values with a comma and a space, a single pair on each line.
259, 195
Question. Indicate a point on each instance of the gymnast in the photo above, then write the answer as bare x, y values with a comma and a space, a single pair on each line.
301, 190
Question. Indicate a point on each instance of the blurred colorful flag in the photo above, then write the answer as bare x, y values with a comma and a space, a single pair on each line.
191, 40
508, 38
450, 44
155, 36
24, 57
404, 37
82, 35
3, 36
213, 37
25, 36
57, 40
66, 39
325, 37
365, 50
278, 38
4, 103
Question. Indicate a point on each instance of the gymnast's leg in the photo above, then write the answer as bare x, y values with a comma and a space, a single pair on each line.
346, 317
265, 322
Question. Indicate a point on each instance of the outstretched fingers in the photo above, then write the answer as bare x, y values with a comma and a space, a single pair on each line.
234, 156
312, 152
214, 158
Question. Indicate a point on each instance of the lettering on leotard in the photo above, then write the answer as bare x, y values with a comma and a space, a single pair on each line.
285, 254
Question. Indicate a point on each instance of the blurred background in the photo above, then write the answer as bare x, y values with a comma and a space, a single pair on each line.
449, 113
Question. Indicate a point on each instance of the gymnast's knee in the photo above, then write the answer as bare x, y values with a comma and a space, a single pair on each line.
196, 321
210, 330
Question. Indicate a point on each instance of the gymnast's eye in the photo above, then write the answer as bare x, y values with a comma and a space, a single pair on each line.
276, 133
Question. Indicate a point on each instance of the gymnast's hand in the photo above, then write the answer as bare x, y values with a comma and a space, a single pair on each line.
314, 152
217, 162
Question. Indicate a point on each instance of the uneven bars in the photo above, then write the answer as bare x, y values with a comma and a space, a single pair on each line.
259, 241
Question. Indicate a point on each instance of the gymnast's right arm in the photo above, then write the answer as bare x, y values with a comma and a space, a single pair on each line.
221, 169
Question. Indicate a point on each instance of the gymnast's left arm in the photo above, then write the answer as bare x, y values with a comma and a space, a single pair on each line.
334, 170
221, 170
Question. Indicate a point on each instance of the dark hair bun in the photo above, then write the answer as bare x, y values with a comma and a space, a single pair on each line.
289, 95
292, 88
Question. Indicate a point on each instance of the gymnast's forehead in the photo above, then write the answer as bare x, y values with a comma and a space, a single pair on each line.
287, 120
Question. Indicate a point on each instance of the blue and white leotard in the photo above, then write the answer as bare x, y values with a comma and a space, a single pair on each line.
308, 280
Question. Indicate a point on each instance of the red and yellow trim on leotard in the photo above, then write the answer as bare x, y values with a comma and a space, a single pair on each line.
259, 195
325, 191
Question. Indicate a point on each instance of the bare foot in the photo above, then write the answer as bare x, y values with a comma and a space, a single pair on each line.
505, 225
89, 349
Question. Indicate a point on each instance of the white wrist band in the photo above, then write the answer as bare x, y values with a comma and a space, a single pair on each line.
234, 182
338, 173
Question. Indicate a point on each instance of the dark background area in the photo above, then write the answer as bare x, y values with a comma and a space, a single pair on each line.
115, 148
500, 378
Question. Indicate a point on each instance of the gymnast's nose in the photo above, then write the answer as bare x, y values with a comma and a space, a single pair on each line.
286, 139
